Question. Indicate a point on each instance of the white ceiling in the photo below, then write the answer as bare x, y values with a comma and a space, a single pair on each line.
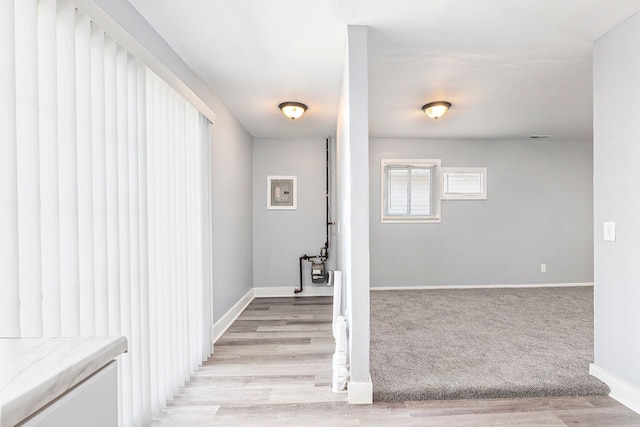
511, 68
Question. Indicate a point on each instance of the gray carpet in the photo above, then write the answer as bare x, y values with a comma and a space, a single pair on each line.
482, 343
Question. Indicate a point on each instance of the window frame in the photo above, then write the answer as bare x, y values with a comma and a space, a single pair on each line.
435, 166
446, 195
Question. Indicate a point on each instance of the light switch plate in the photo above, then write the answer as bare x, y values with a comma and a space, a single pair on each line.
610, 231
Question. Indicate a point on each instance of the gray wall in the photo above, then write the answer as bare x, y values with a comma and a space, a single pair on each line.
616, 198
282, 236
231, 163
539, 210
231, 173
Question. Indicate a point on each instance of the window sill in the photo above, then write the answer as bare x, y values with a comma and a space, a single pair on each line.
409, 220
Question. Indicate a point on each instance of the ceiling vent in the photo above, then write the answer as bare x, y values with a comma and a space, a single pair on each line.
540, 137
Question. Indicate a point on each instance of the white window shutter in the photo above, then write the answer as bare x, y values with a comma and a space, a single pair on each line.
398, 191
421, 191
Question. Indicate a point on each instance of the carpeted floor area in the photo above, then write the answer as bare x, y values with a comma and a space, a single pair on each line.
482, 343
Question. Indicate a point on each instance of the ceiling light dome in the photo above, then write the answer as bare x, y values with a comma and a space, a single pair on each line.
292, 110
437, 109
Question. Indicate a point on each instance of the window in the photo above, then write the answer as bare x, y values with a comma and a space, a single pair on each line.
464, 183
410, 190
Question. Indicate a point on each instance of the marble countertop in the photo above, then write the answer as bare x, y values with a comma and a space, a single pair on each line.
35, 371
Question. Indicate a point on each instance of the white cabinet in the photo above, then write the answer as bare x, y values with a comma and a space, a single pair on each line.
93, 402
60, 382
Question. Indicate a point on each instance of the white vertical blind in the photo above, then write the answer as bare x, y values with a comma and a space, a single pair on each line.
104, 201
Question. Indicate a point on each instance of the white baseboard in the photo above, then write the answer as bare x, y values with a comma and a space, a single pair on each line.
223, 324
287, 291
621, 391
537, 285
360, 393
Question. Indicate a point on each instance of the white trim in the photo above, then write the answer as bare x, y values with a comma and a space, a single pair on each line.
287, 291
360, 393
126, 40
621, 391
527, 285
223, 324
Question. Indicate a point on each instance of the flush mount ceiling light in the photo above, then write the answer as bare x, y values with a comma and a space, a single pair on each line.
292, 110
437, 109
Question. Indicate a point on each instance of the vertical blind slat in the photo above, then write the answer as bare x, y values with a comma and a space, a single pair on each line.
99, 170
134, 228
10, 285
124, 223
183, 332
49, 189
173, 285
200, 158
28, 154
207, 236
190, 182
111, 167
68, 172
162, 210
145, 354
86, 242
204, 243
155, 382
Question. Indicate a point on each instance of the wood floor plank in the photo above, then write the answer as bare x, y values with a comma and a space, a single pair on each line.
273, 368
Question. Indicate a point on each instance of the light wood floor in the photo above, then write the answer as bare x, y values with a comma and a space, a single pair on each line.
273, 368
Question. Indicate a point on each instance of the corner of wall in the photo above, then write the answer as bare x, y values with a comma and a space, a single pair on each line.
621, 391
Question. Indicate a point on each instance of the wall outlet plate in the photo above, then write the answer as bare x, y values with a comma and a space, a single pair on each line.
610, 231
